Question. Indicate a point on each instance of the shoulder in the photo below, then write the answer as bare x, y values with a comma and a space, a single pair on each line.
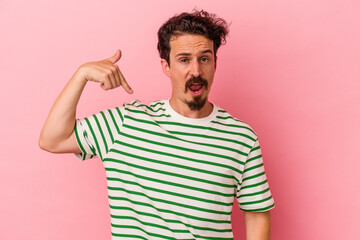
132, 109
227, 121
137, 107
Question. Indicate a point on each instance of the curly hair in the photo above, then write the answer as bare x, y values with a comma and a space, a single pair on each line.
197, 22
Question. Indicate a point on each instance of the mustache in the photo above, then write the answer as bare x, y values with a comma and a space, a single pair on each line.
198, 80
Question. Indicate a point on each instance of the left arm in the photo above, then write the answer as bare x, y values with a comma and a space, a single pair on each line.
257, 225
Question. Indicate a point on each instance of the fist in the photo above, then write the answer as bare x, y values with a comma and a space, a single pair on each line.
106, 72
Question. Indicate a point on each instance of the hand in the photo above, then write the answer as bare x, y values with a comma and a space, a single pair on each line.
106, 72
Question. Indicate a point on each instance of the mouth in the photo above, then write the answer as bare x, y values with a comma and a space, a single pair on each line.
196, 88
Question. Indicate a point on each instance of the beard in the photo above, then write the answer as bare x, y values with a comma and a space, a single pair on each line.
197, 103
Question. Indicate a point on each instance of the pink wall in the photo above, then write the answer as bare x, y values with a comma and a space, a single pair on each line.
290, 69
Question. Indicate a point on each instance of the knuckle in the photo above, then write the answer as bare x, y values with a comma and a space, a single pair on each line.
109, 71
105, 75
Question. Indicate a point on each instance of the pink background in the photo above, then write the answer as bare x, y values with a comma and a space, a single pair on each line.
290, 69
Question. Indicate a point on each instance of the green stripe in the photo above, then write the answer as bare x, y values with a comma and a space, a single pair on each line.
206, 128
143, 105
254, 185
214, 238
149, 224
233, 125
253, 194
210, 137
101, 133
254, 176
255, 202
142, 230
255, 148
155, 104
154, 199
169, 211
114, 121
258, 209
230, 117
146, 113
170, 183
120, 115
128, 236
142, 120
253, 167
79, 142
179, 139
157, 190
254, 158
94, 136
142, 213
167, 220
107, 126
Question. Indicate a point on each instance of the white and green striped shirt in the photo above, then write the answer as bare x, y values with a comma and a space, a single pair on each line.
173, 177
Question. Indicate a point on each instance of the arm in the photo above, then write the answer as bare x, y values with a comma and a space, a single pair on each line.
57, 135
257, 225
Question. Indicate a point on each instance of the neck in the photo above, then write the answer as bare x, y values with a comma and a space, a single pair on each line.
183, 109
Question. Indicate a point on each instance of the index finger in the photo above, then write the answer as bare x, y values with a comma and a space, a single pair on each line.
124, 84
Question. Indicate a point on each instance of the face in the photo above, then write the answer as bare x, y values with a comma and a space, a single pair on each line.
191, 70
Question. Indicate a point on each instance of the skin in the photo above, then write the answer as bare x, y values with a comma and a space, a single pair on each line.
258, 225
190, 56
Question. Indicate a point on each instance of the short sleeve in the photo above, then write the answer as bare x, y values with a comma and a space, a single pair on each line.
253, 192
96, 134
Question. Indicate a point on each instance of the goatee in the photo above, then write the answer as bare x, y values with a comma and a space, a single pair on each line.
196, 104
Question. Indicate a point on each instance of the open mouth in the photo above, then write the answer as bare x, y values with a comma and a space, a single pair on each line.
196, 88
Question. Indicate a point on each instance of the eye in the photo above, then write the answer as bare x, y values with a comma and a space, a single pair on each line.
204, 59
183, 60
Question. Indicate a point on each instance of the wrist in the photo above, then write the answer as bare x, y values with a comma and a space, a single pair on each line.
80, 76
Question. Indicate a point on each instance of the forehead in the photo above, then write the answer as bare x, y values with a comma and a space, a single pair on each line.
190, 43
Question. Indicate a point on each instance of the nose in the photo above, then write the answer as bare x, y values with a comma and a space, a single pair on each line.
196, 69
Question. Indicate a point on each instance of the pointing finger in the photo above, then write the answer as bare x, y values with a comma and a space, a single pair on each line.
124, 84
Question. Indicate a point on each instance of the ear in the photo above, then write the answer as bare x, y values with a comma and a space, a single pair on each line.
165, 67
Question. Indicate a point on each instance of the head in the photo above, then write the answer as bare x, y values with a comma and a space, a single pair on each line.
188, 44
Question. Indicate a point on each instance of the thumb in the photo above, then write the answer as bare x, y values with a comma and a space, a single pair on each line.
116, 57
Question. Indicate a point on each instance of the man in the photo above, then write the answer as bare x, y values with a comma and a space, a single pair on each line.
173, 167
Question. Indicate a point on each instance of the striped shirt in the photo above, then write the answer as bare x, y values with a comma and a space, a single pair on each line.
173, 177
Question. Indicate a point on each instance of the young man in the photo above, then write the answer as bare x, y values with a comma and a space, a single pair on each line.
173, 167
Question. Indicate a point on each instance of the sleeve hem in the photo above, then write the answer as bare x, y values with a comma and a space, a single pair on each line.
79, 138
259, 209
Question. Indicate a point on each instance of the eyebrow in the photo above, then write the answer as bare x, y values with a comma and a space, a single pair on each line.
188, 54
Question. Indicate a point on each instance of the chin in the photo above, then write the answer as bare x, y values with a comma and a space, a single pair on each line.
197, 103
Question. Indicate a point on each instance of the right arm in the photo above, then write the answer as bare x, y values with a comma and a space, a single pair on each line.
58, 135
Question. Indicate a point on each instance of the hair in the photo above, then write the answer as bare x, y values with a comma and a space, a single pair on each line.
196, 22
